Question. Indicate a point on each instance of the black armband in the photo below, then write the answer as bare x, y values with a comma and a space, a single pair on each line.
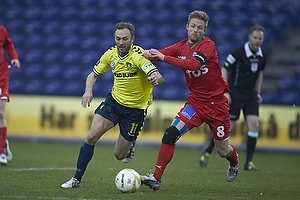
201, 57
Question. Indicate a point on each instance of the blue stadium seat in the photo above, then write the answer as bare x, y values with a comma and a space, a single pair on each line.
144, 31
270, 97
71, 42
48, 3
34, 71
70, 27
218, 5
16, 73
237, 6
286, 83
106, 29
163, 31
51, 41
162, 16
89, 58
143, 14
71, 72
239, 19
34, 55
70, 13
33, 27
90, 28
87, 13
52, 13
53, 72
33, 41
146, 43
224, 47
51, 27
32, 2
255, 6
289, 98
297, 70
278, 21
34, 86
259, 18
52, 56
71, 57
16, 86
240, 35
15, 27
275, 6
126, 15
101, 89
178, 4
106, 15
73, 88
71, 3
142, 4
54, 87
32, 13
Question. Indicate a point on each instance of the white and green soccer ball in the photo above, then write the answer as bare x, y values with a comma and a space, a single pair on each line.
128, 181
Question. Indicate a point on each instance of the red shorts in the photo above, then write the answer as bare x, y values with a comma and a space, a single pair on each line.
4, 94
216, 115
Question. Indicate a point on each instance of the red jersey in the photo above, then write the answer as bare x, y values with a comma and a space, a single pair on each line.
205, 82
7, 44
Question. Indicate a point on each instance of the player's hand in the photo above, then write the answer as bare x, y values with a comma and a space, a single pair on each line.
152, 79
156, 53
15, 63
86, 99
148, 55
259, 98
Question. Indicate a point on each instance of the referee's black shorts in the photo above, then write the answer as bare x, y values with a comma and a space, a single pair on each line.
130, 120
245, 100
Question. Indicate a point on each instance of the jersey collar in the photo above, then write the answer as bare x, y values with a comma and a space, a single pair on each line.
187, 42
249, 52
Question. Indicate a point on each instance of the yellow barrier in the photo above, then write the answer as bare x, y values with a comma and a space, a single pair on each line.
63, 117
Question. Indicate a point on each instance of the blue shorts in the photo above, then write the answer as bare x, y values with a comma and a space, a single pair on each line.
130, 120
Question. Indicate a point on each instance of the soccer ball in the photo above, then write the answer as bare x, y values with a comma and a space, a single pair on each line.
128, 181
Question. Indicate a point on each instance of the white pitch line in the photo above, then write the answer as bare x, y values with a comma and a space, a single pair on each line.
35, 197
38, 169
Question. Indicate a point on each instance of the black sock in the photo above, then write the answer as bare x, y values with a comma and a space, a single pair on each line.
251, 144
210, 146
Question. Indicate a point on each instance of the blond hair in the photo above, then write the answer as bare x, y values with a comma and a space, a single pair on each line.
199, 15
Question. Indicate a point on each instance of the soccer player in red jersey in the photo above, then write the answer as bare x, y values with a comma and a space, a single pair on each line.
198, 58
7, 44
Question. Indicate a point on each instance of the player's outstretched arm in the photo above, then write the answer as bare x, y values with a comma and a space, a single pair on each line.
87, 97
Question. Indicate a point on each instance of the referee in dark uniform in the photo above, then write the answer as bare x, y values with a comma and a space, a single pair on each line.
246, 64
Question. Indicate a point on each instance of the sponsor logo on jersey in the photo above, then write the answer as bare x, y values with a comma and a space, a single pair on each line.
182, 57
112, 65
125, 75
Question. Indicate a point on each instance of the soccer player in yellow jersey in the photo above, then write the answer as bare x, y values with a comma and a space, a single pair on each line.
126, 105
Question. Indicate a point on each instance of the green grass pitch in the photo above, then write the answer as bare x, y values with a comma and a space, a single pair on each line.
38, 170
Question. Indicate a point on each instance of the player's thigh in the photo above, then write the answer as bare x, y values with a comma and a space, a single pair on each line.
2, 105
99, 126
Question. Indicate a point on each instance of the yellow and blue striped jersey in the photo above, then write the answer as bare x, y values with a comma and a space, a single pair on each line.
131, 87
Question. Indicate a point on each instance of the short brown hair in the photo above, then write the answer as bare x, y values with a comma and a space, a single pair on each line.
257, 28
199, 15
123, 25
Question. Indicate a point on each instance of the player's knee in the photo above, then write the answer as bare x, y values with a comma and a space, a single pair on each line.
171, 135
119, 155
